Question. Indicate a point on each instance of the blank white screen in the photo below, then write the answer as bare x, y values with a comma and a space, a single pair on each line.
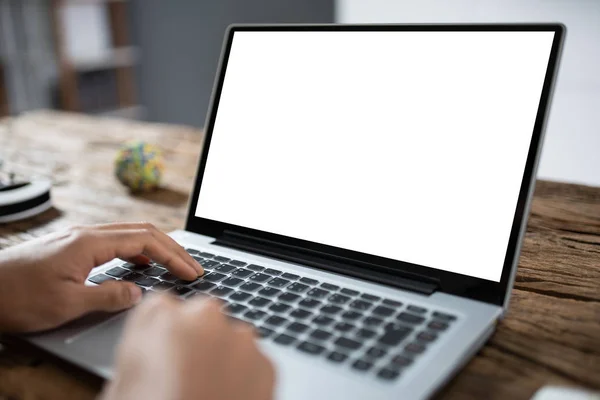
405, 145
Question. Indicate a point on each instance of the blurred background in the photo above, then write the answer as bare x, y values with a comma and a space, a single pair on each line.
156, 60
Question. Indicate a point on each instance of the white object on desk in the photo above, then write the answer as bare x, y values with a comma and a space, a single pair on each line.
564, 393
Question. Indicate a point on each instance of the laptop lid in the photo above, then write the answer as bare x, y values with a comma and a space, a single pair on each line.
396, 153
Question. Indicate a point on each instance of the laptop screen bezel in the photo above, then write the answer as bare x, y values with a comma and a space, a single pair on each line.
449, 282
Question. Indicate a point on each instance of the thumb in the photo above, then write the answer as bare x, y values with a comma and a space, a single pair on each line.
110, 296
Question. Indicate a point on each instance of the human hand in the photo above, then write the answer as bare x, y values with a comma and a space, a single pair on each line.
42, 281
188, 350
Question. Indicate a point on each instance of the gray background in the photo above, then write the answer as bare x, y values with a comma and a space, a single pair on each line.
180, 43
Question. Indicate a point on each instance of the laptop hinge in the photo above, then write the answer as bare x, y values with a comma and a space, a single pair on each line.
345, 266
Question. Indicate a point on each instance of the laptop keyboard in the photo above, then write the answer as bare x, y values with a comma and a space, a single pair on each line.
370, 334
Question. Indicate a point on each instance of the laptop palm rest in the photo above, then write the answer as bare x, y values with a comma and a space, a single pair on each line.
97, 343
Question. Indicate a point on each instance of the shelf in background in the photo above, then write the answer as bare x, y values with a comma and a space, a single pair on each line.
4, 108
112, 58
132, 112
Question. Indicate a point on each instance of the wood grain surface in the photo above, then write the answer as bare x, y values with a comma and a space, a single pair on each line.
551, 334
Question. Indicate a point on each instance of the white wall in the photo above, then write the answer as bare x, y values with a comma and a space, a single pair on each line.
571, 150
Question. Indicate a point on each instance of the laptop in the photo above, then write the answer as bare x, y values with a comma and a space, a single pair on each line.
361, 199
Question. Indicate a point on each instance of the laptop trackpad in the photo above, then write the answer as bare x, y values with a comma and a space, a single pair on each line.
98, 343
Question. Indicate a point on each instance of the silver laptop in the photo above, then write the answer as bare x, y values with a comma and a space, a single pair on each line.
361, 199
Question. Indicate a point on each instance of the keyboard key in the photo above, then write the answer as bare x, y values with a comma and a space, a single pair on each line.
388, 374
375, 352
337, 357
214, 277
278, 282
254, 267
242, 273
322, 320
414, 348
264, 332
393, 336
289, 276
210, 263
297, 287
272, 271
331, 309
197, 258
311, 348
269, 292
237, 263
349, 292
309, 281
297, 327
221, 291
206, 255
338, 299
383, 311
318, 293
361, 305
437, 325
309, 303
347, 343
232, 282
250, 286
443, 316
225, 268
154, 271
191, 251
146, 281
372, 321
402, 361
362, 365
235, 308
240, 296
259, 302
169, 277
204, 286
426, 337
117, 272
260, 277
329, 286
98, 279
410, 318
279, 308
255, 315
276, 320
181, 290
370, 297
128, 266
343, 327
221, 259
365, 333
184, 282
300, 314
289, 297
132, 276
351, 315
320, 334
284, 339
162, 287
416, 309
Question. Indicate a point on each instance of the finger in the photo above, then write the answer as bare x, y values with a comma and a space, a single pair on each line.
129, 243
165, 239
110, 296
139, 259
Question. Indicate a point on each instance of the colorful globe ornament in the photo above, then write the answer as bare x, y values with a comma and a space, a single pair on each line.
139, 166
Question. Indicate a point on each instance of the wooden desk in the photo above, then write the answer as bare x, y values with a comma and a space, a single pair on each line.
550, 335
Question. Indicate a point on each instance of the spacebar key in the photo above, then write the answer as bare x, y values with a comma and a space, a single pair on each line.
394, 336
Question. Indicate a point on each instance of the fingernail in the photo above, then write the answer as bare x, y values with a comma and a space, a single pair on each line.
198, 268
136, 294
